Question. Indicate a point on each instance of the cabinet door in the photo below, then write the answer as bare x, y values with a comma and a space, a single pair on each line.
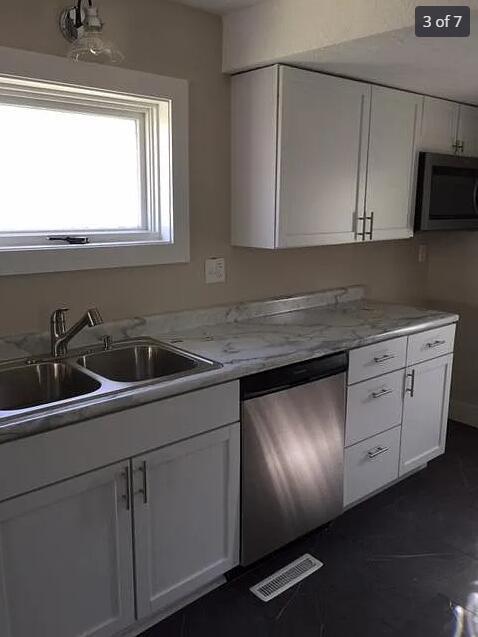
186, 511
468, 130
394, 124
66, 559
323, 136
439, 126
425, 412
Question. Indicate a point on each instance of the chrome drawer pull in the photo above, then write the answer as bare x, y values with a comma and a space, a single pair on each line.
374, 453
380, 394
384, 358
433, 344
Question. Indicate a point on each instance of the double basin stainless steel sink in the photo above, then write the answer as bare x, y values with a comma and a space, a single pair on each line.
31, 384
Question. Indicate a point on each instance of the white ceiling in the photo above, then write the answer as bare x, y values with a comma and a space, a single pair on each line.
219, 6
445, 67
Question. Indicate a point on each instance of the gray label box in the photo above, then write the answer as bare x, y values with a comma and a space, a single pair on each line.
442, 22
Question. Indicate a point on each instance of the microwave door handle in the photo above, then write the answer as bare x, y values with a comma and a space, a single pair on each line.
475, 194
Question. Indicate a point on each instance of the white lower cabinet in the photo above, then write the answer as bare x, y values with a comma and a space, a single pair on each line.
186, 512
370, 465
66, 559
93, 555
396, 421
425, 412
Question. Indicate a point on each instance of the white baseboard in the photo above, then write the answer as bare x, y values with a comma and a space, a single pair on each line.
467, 413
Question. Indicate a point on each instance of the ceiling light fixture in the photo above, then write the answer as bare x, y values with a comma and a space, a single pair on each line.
83, 28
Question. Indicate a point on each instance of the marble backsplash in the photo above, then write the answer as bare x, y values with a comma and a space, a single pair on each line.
20, 346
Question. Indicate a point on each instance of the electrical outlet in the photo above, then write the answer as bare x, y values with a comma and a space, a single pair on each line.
422, 253
215, 270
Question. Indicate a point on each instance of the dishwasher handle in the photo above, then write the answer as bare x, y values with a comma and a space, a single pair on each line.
283, 378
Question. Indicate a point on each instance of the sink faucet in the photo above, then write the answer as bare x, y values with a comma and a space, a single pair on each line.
60, 336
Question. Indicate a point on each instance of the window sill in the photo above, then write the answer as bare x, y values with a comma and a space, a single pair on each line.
22, 260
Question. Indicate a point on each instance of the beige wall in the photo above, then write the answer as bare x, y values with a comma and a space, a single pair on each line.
452, 284
170, 39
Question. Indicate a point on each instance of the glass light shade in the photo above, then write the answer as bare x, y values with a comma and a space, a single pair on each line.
90, 45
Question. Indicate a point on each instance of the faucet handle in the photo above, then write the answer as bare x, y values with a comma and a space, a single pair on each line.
58, 321
61, 311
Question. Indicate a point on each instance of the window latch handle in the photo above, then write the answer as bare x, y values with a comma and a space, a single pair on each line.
71, 240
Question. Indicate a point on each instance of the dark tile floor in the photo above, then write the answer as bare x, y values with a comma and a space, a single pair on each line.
404, 563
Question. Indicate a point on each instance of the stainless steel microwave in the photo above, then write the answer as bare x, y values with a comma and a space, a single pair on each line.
447, 192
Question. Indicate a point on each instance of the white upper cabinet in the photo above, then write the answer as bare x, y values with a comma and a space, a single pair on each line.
394, 127
468, 130
301, 142
449, 128
322, 152
318, 159
299, 157
439, 129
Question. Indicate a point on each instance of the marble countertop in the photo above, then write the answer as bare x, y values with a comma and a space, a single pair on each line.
245, 339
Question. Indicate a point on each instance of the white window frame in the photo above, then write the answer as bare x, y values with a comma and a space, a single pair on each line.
161, 103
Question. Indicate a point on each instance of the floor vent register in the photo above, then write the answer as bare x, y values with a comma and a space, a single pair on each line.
286, 578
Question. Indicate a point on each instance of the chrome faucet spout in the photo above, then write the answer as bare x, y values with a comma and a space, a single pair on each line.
60, 336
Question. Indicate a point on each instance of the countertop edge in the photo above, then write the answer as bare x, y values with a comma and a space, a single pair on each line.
87, 409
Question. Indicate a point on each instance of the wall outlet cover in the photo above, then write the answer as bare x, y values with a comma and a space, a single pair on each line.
215, 270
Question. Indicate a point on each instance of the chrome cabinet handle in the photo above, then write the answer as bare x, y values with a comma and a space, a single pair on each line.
384, 358
411, 388
127, 495
380, 394
378, 451
433, 344
143, 469
372, 220
363, 234
459, 146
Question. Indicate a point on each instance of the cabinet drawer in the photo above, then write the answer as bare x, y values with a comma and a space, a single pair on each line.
374, 406
371, 464
380, 358
431, 344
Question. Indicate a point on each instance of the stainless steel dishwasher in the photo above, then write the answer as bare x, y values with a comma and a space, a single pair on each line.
293, 421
